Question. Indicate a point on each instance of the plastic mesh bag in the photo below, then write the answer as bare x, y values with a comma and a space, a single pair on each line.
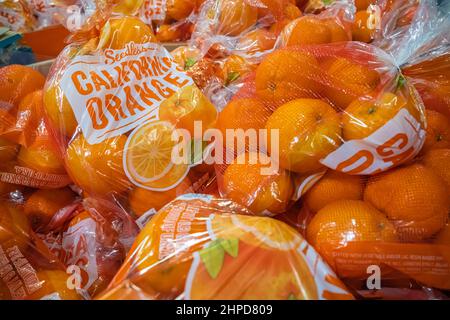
199, 247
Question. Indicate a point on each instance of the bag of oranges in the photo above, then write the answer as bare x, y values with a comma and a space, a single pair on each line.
29, 155
124, 115
200, 247
17, 16
343, 106
29, 270
390, 227
91, 239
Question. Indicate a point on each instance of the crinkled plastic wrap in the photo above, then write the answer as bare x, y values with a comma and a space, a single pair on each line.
91, 239
17, 15
200, 247
114, 100
28, 153
29, 270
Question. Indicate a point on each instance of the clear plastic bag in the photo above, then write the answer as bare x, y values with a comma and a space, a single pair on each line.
29, 270
114, 98
200, 247
29, 154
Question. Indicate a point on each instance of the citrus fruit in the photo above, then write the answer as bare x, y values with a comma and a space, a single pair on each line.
14, 226
243, 114
343, 221
438, 160
54, 284
128, 6
348, 81
179, 9
334, 186
168, 33
118, 32
364, 117
6, 188
309, 129
263, 192
236, 16
97, 168
287, 75
363, 4
29, 117
256, 41
309, 30
42, 156
186, 56
338, 32
142, 200
413, 197
16, 81
59, 111
185, 107
235, 68
438, 131
360, 30
42, 205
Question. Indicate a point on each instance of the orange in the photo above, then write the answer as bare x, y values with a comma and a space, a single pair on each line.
16, 81
97, 168
236, 16
128, 7
256, 41
42, 156
235, 68
287, 75
360, 30
345, 221
413, 197
29, 116
142, 200
55, 284
365, 116
309, 129
118, 32
309, 30
438, 131
14, 226
186, 56
42, 205
179, 9
348, 81
185, 107
59, 111
245, 113
334, 186
264, 194
338, 32
168, 33
438, 160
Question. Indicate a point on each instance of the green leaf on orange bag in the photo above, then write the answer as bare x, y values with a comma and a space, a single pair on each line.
189, 63
232, 76
212, 257
231, 246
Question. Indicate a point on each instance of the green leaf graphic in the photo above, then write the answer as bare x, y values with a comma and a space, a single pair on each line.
232, 76
400, 81
212, 257
189, 63
231, 246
